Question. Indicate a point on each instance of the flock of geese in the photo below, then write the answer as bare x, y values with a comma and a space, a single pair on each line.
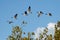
26, 13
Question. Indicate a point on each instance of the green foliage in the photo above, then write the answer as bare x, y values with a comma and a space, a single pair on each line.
58, 24
17, 34
57, 31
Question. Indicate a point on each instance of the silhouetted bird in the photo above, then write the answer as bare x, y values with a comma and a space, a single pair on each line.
15, 16
23, 22
10, 22
25, 13
40, 13
29, 10
49, 14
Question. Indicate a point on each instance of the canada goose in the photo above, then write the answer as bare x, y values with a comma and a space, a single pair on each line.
15, 16
23, 22
49, 14
25, 13
10, 22
29, 10
40, 13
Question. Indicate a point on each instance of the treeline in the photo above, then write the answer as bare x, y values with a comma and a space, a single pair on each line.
17, 34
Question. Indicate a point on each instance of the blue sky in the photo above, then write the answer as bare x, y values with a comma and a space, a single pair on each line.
9, 8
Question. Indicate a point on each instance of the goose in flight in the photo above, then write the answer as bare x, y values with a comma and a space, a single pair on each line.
29, 10
25, 13
10, 22
40, 13
15, 16
23, 23
49, 14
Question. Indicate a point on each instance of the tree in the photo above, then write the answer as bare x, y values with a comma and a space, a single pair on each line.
16, 34
57, 31
49, 37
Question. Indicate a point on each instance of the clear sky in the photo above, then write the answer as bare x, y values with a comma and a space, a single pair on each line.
8, 8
